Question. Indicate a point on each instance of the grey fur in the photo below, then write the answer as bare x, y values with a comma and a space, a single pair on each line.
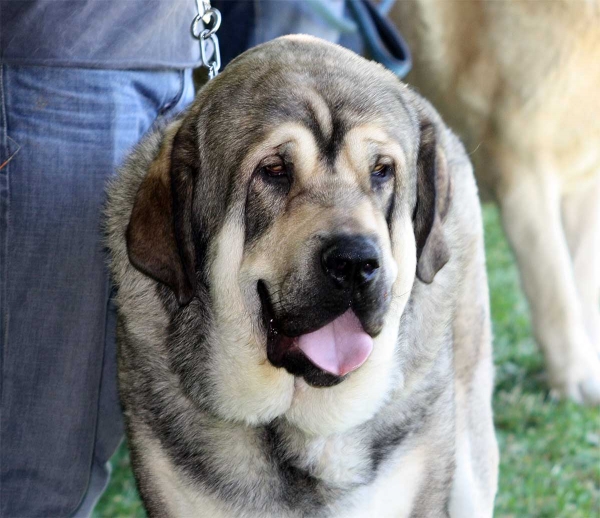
265, 464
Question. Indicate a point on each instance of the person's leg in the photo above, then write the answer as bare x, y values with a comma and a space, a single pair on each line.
275, 18
247, 23
60, 414
183, 90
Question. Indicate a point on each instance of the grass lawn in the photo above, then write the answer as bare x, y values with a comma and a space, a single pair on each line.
550, 451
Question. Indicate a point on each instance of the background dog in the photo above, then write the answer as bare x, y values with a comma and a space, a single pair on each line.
519, 82
303, 310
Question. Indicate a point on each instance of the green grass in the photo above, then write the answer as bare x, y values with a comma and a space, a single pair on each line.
549, 450
120, 500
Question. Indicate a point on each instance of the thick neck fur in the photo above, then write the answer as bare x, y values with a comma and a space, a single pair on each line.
277, 466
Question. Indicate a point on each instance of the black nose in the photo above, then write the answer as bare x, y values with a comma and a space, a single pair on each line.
350, 261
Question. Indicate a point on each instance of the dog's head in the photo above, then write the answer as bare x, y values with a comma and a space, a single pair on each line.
302, 192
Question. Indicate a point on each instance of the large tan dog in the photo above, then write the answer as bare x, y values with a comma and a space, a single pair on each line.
303, 309
519, 81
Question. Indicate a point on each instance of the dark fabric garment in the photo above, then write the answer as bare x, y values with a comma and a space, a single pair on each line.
238, 36
247, 23
115, 34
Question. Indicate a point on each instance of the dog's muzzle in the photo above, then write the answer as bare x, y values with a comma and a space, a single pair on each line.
325, 342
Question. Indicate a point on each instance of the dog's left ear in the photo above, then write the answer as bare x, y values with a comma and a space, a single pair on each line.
434, 193
159, 235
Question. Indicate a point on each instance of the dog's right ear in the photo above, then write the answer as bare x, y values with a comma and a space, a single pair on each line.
159, 235
434, 194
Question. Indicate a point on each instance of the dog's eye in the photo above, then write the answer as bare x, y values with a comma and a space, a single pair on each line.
276, 175
381, 172
275, 171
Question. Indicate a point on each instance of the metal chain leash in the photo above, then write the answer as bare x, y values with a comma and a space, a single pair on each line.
210, 19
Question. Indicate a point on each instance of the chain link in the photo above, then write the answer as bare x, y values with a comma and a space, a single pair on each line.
210, 19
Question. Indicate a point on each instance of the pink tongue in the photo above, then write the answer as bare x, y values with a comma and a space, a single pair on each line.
339, 347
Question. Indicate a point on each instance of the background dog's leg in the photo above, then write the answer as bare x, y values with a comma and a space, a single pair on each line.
581, 218
530, 203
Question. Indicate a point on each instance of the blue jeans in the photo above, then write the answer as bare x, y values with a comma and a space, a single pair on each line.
63, 133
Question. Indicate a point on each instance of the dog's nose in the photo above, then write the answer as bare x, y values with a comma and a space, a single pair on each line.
350, 261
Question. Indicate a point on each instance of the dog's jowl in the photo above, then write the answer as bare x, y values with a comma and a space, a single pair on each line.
304, 323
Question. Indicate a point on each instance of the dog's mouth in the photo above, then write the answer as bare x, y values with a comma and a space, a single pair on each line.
323, 354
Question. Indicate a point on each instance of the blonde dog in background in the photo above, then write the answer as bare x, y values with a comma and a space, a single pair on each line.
519, 81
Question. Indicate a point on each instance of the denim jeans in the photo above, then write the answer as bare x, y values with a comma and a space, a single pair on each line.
63, 133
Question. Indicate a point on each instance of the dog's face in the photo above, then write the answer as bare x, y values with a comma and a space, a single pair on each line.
297, 199
317, 244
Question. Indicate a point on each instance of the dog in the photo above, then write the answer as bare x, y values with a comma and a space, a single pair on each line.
518, 81
304, 324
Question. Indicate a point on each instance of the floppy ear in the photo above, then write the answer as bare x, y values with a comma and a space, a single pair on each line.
434, 192
159, 235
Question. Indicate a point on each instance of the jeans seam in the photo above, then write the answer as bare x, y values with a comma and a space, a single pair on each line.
4, 217
177, 97
93, 455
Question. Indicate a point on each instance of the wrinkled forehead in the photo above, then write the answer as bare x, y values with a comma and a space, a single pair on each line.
299, 102
310, 151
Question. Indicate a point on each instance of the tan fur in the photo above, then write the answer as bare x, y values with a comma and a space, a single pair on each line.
315, 410
216, 426
519, 81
